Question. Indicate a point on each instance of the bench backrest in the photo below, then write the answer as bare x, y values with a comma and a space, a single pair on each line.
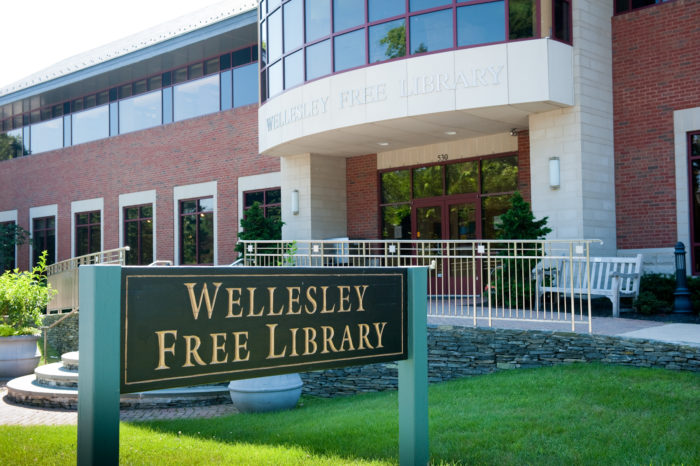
564, 272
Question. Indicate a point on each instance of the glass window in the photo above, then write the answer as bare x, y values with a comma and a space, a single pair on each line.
141, 112
294, 69
318, 60
180, 76
427, 181
47, 135
197, 231
140, 87
349, 50
241, 57
318, 19
245, 85
396, 221
380, 9
347, 14
274, 36
417, 5
90, 125
562, 20
87, 233
293, 25
499, 175
138, 234
195, 71
8, 250
211, 66
195, 98
431, 31
44, 239
462, 178
155, 82
270, 201
521, 19
13, 147
492, 207
387, 41
276, 78
396, 186
481, 24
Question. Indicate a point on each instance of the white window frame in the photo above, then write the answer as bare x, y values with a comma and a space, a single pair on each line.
41, 212
137, 199
194, 191
87, 205
255, 183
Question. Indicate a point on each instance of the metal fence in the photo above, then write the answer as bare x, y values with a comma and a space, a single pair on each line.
478, 280
63, 276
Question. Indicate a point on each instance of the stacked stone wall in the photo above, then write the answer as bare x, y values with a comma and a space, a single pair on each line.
64, 336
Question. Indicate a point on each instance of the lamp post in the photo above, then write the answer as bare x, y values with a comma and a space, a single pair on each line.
681, 303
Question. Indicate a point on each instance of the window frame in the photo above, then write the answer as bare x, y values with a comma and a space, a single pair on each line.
197, 215
88, 225
265, 204
36, 252
139, 220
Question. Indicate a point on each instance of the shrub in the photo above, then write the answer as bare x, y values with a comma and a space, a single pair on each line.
23, 297
256, 226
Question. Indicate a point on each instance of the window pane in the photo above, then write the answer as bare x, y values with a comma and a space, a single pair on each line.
276, 78
251, 198
387, 41
318, 60
131, 213
206, 205
294, 69
417, 5
131, 239
245, 85
95, 240
318, 19
274, 212
462, 178
349, 50
347, 13
81, 219
274, 36
95, 217
431, 31
562, 20
427, 181
90, 125
293, 21
16, 145
81, 241
695, 167
695, 145
206, 239
521, 18
188, 239
273, 196
492, 209
144, 111
47, 135
380, 9
396, 186
241, 57
196, 98
396, 222
499, 175
481, 24
147, 211
146, 252
188, 207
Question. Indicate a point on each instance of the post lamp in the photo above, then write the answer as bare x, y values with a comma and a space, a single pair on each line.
681, 303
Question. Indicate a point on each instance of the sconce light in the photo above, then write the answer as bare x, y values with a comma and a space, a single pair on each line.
295, 202
514, 131
554, 172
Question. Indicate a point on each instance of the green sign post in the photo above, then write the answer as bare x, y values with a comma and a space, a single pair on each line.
151, 328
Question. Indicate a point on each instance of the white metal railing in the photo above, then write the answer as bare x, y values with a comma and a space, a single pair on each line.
63, 276
484, 279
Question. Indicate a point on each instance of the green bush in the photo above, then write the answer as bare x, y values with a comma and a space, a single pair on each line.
656, 293
23, 297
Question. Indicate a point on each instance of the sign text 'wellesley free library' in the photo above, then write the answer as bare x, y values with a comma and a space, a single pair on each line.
187, 326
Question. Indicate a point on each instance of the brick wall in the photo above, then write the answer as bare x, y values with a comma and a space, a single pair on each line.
363, 197
656, 70
524, 164
218, 147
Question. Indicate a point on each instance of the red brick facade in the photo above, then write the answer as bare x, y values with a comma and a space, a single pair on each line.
656, 70
524, 164
362, 197
220, 147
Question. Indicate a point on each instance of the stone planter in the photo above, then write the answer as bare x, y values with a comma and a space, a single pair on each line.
273, 393
19, 355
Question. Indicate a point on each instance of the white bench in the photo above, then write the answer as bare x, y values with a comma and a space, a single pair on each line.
611, 277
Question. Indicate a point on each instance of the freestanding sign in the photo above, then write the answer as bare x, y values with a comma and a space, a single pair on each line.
145, 328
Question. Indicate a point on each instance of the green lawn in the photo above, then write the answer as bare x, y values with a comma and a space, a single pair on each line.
579, 414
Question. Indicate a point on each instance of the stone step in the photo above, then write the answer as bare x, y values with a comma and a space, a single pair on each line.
56, 375
70, 360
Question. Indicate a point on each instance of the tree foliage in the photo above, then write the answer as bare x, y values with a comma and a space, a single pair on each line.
519, 222
11, 235
10, 147
395, 41
256, 226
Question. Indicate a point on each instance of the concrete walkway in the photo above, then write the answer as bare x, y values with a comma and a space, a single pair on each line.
687, 334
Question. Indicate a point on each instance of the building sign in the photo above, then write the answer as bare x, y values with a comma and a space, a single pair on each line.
186, 326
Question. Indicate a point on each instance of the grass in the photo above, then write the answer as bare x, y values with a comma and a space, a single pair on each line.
51, 355
579, 414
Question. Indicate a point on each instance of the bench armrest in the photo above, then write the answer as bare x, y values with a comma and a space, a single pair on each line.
625, 275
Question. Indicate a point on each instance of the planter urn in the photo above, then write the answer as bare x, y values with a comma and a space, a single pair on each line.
19, 355
262, 394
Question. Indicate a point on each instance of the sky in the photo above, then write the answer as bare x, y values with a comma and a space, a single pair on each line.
38, 33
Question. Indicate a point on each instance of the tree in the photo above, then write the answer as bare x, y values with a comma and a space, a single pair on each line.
519, 222
395, 40
11, 235
256, 226
10, 147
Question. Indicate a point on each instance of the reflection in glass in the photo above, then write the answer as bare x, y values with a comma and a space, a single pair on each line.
245, 85
90, 125
562, 20
44, 239
47, 135
481, 24
294, 69
276, 78
252, 197
521, 19
87, 233
318, 60
429, 223
696, 200
293, 29
318, 19
349, 50
396, 186
427, 181
138, 235
417, 5
274, 36
387, 41
14, 146
463, 221
347, 13
492, 207
141, 112
197, 231
380, 9
431, 31
499, 175
462, 178
195, 98
396, 222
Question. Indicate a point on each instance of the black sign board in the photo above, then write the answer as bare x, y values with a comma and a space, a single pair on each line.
193, 325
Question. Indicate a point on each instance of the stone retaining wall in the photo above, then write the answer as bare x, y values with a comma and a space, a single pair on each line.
64, 336
460, 351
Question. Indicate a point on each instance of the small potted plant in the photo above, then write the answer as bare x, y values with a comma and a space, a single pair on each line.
23, 297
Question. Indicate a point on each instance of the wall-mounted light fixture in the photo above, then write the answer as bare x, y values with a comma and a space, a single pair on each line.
554, 178
295, 202
513, 131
